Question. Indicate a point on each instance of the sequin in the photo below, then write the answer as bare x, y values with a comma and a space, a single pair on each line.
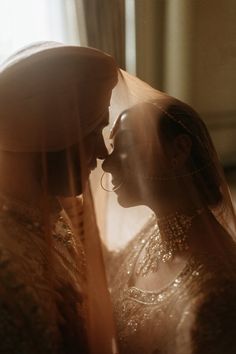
161, 321
45, 295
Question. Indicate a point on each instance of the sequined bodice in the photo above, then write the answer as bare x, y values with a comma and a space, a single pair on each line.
151, 322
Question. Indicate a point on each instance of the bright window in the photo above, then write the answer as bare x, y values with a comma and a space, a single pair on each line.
26, 21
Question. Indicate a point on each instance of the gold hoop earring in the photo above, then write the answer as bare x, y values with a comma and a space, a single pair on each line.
104, 188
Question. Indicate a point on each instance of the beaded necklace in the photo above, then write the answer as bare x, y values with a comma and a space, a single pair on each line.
174, 229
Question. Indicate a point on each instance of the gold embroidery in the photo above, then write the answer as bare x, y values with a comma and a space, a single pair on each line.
147, 321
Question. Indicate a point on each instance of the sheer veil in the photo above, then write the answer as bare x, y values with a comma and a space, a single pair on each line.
170, 224
53, 106
131, 91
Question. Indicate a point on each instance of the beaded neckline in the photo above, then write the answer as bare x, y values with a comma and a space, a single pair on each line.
175, 228
154, 297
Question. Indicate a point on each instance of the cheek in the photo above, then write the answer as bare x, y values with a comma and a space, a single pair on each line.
156, 163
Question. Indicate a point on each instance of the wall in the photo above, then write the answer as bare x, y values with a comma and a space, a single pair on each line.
188, 49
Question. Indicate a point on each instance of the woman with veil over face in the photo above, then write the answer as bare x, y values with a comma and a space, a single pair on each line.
54, 103
173, 285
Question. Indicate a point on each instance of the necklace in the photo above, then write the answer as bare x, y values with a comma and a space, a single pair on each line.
174, 229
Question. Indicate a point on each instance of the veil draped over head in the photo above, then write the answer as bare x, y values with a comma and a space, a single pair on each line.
170, 225
205, 168
169, 204
54, 103
35, 78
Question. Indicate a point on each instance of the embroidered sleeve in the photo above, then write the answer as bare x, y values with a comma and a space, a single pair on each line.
208, 324
22, 328
214, 329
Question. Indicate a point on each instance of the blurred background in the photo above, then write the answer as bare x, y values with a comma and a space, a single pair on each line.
184, 47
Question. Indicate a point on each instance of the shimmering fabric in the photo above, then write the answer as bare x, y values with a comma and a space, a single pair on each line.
41, 307
195, 313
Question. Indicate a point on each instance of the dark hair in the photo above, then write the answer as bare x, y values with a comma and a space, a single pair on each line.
181, 119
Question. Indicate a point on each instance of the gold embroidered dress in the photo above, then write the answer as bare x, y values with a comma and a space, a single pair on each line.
41, 304
194, 313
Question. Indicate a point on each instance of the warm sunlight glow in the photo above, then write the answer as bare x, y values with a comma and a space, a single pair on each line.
25, 21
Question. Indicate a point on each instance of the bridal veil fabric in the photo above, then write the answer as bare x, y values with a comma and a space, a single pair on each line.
53, 294
173, 281
170, 264
33, 80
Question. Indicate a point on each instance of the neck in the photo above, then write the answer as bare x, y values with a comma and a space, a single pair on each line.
176, 214
181, 195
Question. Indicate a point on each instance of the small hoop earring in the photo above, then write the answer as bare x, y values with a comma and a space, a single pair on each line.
104, 188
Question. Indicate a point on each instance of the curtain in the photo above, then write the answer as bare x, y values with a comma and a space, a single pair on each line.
105, 27
187, 49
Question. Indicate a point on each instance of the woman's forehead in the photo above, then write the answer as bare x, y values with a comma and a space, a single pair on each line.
136, 124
